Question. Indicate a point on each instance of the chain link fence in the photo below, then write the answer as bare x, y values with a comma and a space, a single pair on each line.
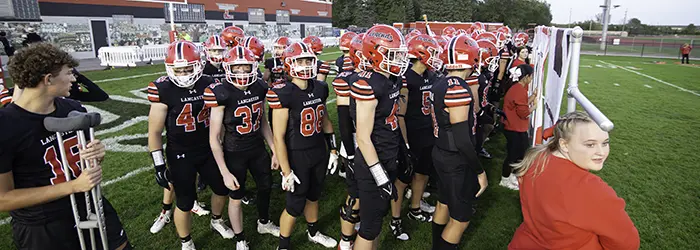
640, 46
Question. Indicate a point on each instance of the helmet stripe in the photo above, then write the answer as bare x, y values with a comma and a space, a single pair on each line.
247, 42
303, 47
179, 51
216, 40
240, 52
450, 51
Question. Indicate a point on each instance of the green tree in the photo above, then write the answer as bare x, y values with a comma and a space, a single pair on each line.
690, 29
363, 13
341, 8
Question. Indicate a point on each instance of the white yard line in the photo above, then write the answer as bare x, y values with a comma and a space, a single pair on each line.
330, 101
129, 77
129, 99
654, 78
647, 85
124, 125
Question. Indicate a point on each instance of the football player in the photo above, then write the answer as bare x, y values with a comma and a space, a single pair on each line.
33, 187
233, 36
461, 177
238, 106
374, 107
504, 45
274, 69
5, 96
416, 123
214, 48
177, 103
258, 48
488, 56
300, 126
350, 210
323, 68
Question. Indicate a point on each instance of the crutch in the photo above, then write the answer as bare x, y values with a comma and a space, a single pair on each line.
78, 122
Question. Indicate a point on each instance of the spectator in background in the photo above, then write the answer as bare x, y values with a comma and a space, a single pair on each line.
564, 205
518, 107
685, 50
7, 46
523, 57
31, 37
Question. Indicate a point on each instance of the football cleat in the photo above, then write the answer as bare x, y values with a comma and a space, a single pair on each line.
198, 209
269, 228
321, 239
160, 221
221, 228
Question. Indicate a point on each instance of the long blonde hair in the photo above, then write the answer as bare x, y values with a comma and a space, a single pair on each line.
562, 130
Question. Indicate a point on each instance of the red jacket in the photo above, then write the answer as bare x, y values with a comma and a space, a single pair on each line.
516, 62
517, 110
567, 207
686, 50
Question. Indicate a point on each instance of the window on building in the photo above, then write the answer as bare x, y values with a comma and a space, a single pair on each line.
19, 10
186, 13
256, 16
282, 17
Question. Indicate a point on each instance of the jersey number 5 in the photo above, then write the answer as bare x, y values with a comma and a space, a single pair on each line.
391, 119
247, 115
312, 120
73, 157
188, 121
426, 103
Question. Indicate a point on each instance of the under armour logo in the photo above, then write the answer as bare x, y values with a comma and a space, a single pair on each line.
247, 92
426, 80
182, 156
311, 95
193, 91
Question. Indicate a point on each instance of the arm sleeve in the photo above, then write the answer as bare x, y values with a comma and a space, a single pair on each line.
324, 68
522, 108
597, 208
456, 96
361, 90
94, 94
153, 94
462, 133
341, 87
347, 129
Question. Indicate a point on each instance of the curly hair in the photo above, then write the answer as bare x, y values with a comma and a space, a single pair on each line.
29, 66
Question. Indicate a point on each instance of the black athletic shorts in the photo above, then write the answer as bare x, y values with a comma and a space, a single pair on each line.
309, 165
255, 160
457, 183
184, 167
372, 207
61, 234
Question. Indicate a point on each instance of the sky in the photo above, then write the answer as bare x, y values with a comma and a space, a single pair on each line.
652, 12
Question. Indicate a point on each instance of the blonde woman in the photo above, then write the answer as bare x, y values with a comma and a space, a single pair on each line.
564, 205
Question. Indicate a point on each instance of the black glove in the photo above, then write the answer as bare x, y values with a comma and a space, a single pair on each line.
162, 172
501, 113
407, 159
163, 176
387, 190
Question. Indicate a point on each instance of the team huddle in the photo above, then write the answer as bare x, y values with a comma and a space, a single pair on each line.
409, 108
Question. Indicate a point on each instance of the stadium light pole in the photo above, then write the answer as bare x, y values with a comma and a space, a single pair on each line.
606, 20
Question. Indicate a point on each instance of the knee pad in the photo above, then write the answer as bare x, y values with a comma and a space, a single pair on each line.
185, 203
348, 214
369, 233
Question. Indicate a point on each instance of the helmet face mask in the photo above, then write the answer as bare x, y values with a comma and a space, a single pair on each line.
385, 48
240, 65
394, 60
183, 64
300, 61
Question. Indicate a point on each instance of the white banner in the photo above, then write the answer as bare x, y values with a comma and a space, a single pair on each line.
557, 72
539, 57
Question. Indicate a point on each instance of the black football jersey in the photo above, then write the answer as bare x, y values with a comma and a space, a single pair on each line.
307, 108
385, 133
243, 113
276, 68
187, 124
32, 154
341, 83
216, 73
484, 88
418, 108
5, 96
447, 93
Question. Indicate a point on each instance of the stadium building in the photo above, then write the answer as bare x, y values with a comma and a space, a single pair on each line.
83, 26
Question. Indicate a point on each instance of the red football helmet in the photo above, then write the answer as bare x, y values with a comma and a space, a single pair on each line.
346, 39
214, 48
501, 40
478, 26
233, 36
386, 50
521, 39
280, 45
358, 60
449, 31
240, 55
462, 53
487, 36
256, 46
506, 31
425, 49
183, 64
315, 43
291, 57
462, 32
489, 54
413, 33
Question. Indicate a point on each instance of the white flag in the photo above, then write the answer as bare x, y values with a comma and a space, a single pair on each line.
557, 71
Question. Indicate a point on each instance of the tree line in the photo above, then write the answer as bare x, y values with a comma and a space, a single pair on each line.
635, 27
518, 14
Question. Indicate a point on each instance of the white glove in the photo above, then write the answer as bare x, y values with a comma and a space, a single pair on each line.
332, 163
288, 181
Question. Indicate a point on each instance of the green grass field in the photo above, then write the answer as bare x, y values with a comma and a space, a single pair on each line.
653, 165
